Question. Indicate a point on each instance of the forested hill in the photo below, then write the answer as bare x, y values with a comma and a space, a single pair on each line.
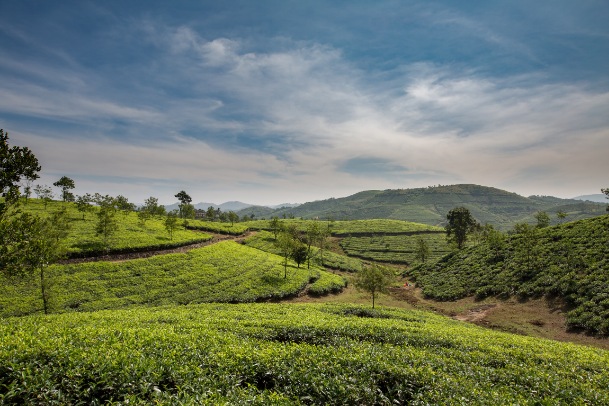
430, 205
569, 261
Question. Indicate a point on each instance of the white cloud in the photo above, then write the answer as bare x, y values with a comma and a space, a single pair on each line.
313, 110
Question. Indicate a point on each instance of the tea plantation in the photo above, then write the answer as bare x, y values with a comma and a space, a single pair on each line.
223, 272
569, 261
131, 235
271, 354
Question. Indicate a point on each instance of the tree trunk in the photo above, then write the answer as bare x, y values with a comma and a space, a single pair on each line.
43, 290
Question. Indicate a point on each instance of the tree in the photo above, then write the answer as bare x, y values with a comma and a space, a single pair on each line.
210, 214
275, 226
65, 184
311, 236
561, 216
122, 204
286, 243
188, 211
373, 279
496, 242
152, 207
606, 192
171, 223
232, 217
460, 223
107, 225
29, 244
27, 186
184, 199
543, 220
16, 163
83, 204
322, 239
45, 193
422, 250
299, 253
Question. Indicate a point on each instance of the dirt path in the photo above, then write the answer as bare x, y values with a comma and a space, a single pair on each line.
476, 314
146, 254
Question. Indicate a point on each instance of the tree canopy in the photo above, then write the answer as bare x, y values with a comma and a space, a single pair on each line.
16, 163
460, 223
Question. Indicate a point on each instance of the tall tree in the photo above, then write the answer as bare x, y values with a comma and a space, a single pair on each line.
275, 226
460, 223
16, 163
311, 237
65, 184
561, 216
286, 243
107, 225
171, 223
373, 279
30, 244
184, 199
606, 192
422, 250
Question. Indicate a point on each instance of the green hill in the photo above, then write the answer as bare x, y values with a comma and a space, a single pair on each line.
570, 261
131, 235
280, 354
430, 205
223, 272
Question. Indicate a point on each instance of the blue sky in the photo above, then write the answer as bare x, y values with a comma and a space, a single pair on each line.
292, 101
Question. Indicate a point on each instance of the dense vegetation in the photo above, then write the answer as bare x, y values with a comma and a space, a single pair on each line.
568, 261
265, 241
351, 227
217, 227
286, 354
223, 272
131, 235
430, 205
398, 249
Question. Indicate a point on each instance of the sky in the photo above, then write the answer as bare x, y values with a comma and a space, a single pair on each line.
270, 102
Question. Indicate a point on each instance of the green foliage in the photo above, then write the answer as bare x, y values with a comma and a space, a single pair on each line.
373, 279
398, 249
171, 224
429, 206
346, 227
287, 354
65, 184
16, 163
222, 272
265, 241
131, 236
217, 227
569, 261
459, 223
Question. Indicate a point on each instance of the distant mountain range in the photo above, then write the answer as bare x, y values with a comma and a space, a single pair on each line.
430, 205
230, 206
599, 198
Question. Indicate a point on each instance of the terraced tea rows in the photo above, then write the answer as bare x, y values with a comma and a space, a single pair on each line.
287, 354
223, 272
399, 249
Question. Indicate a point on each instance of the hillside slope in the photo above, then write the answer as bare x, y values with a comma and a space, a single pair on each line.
278, 354
570, 261
430, 205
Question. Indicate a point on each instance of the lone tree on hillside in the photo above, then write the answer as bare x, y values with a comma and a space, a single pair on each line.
606, 192
460, 223
422, 250
65, 184
373, 279
184, 199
